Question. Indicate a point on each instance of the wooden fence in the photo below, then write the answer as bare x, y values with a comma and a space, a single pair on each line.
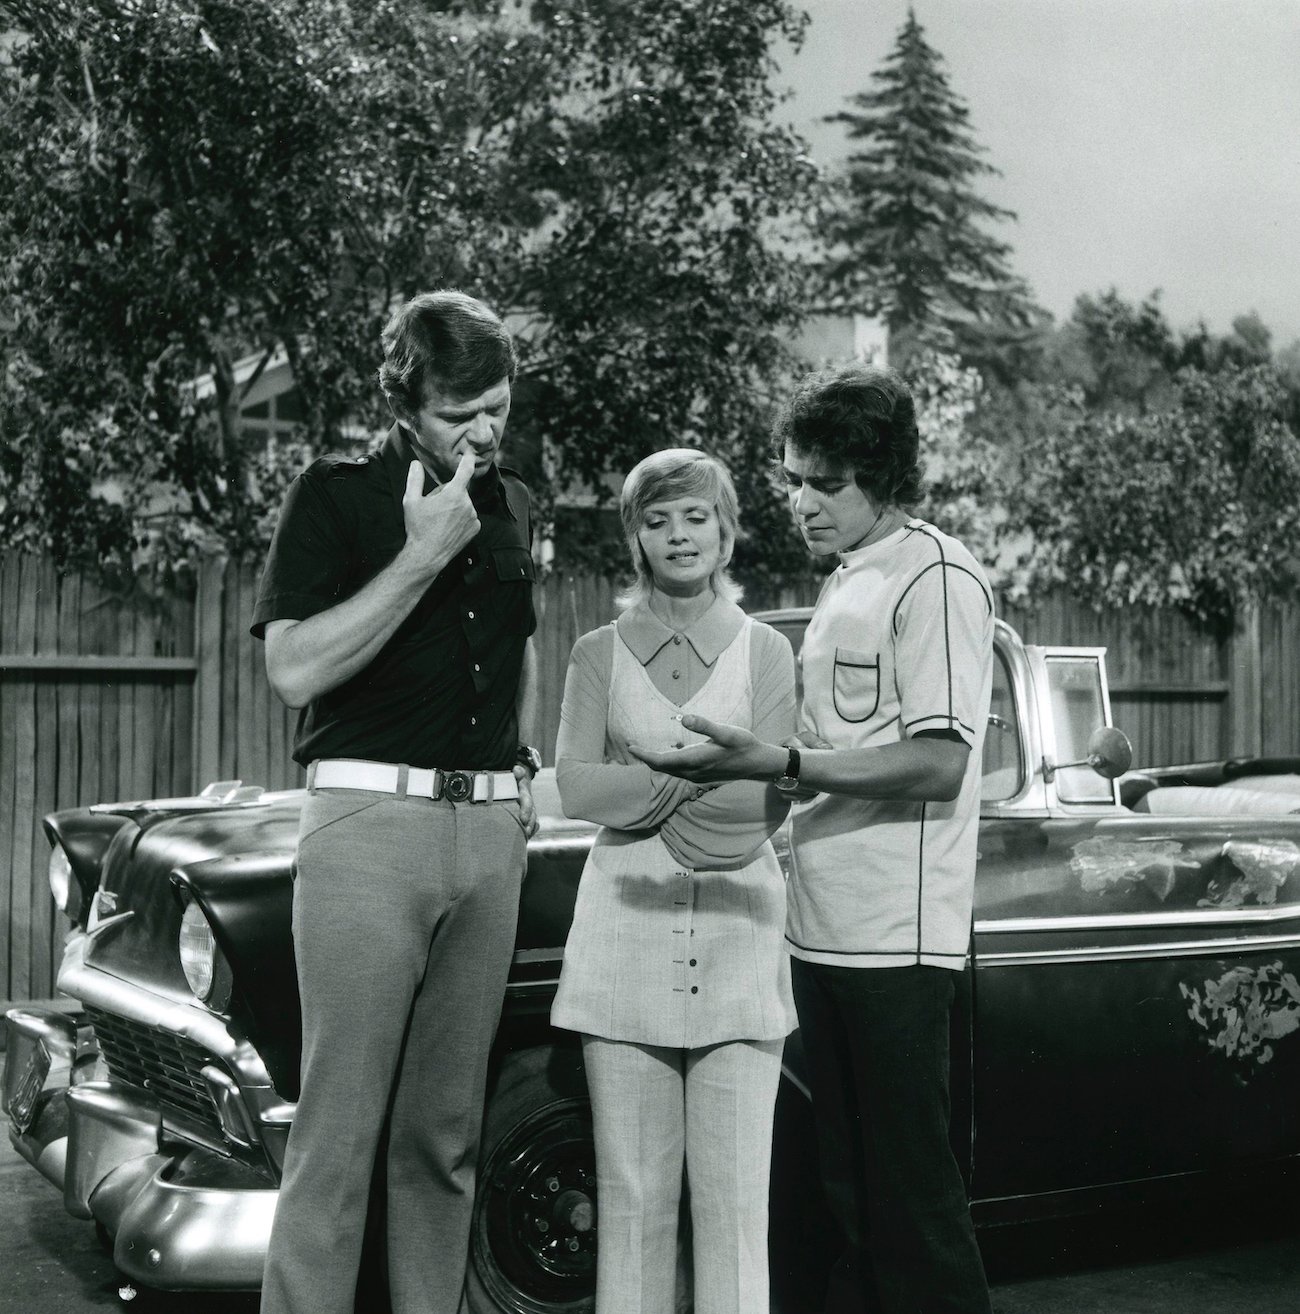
96, 702
109, 697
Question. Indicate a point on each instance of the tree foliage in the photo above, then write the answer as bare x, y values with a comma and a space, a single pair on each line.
1191, 506
1121, 356
666, 279
965, 474
906, 227
192, 181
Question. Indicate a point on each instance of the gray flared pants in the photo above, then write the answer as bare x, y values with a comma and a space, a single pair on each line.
404, 918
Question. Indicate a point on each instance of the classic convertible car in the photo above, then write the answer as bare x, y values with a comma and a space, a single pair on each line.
1133, 1018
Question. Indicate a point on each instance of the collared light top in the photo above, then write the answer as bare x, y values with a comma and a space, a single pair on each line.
601, 781
677, 934
442, 691
900, 644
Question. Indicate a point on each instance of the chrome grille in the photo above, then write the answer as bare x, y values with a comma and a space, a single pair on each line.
168, 1066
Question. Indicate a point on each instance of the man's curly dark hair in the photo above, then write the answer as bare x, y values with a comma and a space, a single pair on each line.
860, 419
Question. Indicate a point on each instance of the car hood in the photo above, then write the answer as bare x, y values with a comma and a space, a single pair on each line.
161, 837
136, 923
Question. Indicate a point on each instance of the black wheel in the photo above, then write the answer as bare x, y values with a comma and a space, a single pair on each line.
533, 1242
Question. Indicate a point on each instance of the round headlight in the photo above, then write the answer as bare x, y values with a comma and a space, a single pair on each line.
63, 885
202, 961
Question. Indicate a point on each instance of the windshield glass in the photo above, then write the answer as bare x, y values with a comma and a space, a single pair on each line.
1004, 764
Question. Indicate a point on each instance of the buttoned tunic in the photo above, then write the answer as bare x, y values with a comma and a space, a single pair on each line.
677, 931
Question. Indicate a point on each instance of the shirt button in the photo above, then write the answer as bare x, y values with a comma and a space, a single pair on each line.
477, 667
469, 561
677, 675
693, 962
695, 990
470, 615
473, 720
677, 638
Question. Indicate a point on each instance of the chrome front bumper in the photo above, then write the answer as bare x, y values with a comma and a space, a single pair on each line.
183, 1217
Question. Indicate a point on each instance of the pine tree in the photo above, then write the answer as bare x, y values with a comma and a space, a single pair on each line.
904, 228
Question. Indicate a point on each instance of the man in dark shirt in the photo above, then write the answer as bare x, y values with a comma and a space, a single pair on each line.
396, 606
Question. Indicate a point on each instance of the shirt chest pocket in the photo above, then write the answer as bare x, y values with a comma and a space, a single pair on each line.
856, 684
514, 565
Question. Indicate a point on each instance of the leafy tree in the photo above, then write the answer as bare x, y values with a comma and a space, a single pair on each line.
193, 181
1249, 343
1288, 367
668, 274
189, 183
1167, 507
966, 474
1122, 356
905, 229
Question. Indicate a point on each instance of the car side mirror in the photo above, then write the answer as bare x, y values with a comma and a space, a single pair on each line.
1109, 754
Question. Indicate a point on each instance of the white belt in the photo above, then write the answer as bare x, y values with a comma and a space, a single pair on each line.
421, 782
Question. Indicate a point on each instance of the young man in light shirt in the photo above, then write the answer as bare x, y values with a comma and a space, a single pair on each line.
897, 667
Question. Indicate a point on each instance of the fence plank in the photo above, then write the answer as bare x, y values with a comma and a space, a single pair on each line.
208, 680
124, 615
1280, 679
1244, 675
24, 910
45, 769
67, 639
9, 819
254, 692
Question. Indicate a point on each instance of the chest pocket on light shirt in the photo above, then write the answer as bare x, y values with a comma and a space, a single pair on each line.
856, 687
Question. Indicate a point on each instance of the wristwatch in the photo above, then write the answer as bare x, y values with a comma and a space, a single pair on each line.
789, 782
529, 758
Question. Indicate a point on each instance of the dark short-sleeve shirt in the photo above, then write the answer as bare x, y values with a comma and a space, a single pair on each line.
442, 691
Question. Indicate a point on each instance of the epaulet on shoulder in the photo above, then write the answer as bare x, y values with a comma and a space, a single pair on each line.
512, 472
334, 465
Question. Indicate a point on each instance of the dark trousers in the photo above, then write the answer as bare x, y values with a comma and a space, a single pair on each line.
877, 1047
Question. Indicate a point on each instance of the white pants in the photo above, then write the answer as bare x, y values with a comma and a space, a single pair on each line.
654, 1108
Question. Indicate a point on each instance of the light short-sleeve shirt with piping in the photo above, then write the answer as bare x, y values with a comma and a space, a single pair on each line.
901, 641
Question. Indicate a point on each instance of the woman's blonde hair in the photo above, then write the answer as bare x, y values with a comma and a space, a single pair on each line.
664, 477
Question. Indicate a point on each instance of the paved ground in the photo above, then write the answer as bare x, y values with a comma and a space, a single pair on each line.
1233, 1255
1218, 1255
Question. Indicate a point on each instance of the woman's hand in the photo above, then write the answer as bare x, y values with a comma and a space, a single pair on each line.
733, 753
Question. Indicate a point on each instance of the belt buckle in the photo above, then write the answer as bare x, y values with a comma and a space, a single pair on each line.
457, 786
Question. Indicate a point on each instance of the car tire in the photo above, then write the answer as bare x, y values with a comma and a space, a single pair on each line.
533, 1237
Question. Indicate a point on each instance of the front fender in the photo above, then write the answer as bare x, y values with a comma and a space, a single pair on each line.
248, 901
84, 836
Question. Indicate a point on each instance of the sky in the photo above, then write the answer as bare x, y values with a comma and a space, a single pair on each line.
1143, 144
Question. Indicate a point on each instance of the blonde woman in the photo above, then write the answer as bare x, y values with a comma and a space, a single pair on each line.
675, 971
